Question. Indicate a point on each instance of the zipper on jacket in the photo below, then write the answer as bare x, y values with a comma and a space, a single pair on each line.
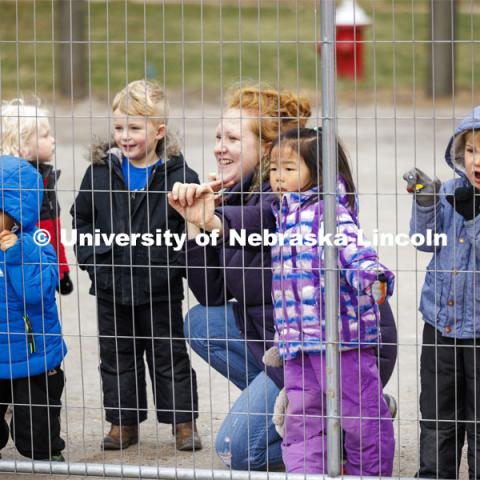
146, 190
29, 330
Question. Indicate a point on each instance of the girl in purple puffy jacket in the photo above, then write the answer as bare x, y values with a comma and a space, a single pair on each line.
298, 291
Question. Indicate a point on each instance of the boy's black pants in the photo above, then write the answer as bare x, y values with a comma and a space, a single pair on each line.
35, 424
450, 405
126, 334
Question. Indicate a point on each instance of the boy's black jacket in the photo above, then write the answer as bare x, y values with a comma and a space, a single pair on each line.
132, 275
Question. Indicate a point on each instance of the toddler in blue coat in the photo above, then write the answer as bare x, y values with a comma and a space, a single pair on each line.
31, 344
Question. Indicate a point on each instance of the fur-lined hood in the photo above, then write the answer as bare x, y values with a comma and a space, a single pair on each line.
454, 155
100, 149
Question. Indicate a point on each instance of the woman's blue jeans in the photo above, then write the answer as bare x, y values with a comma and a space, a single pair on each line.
213, 334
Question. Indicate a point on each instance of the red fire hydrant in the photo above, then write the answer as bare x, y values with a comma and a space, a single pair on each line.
351, 21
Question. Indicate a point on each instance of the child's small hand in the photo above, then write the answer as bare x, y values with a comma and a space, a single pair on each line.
422, 186
7, 240
380, 289
465, 201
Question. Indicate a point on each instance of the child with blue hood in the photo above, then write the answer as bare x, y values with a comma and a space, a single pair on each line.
450, 306
31, 344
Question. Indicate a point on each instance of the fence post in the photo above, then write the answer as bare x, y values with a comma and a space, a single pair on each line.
71, 68
440, 58
329, 174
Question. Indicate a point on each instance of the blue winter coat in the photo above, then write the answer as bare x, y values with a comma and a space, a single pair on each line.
30, 333
450, 298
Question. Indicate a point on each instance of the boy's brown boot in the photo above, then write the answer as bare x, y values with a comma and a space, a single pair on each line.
186, 437
120, 437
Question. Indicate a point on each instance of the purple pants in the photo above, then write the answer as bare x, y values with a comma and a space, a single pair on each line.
369, 439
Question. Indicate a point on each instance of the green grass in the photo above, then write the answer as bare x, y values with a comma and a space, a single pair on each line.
206, 49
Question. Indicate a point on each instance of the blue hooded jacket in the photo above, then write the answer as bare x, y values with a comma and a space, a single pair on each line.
451, 294
30, 333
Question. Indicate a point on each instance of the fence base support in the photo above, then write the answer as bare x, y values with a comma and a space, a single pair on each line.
137, 471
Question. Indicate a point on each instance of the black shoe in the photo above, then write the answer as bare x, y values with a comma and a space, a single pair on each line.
4, 433
66, 285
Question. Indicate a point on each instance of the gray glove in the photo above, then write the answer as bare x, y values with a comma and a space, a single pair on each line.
272, 358
280, 411
422, 186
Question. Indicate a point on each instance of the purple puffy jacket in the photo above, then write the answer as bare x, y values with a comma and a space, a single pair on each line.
299, 277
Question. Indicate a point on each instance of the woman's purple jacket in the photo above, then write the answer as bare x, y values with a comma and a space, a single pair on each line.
219, 274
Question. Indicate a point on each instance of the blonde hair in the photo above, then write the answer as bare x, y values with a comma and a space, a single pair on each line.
19, 122
273, 112
143, 98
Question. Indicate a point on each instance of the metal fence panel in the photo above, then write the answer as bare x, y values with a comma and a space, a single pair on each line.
393, 87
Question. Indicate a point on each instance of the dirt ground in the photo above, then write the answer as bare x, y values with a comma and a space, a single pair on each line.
383, 142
